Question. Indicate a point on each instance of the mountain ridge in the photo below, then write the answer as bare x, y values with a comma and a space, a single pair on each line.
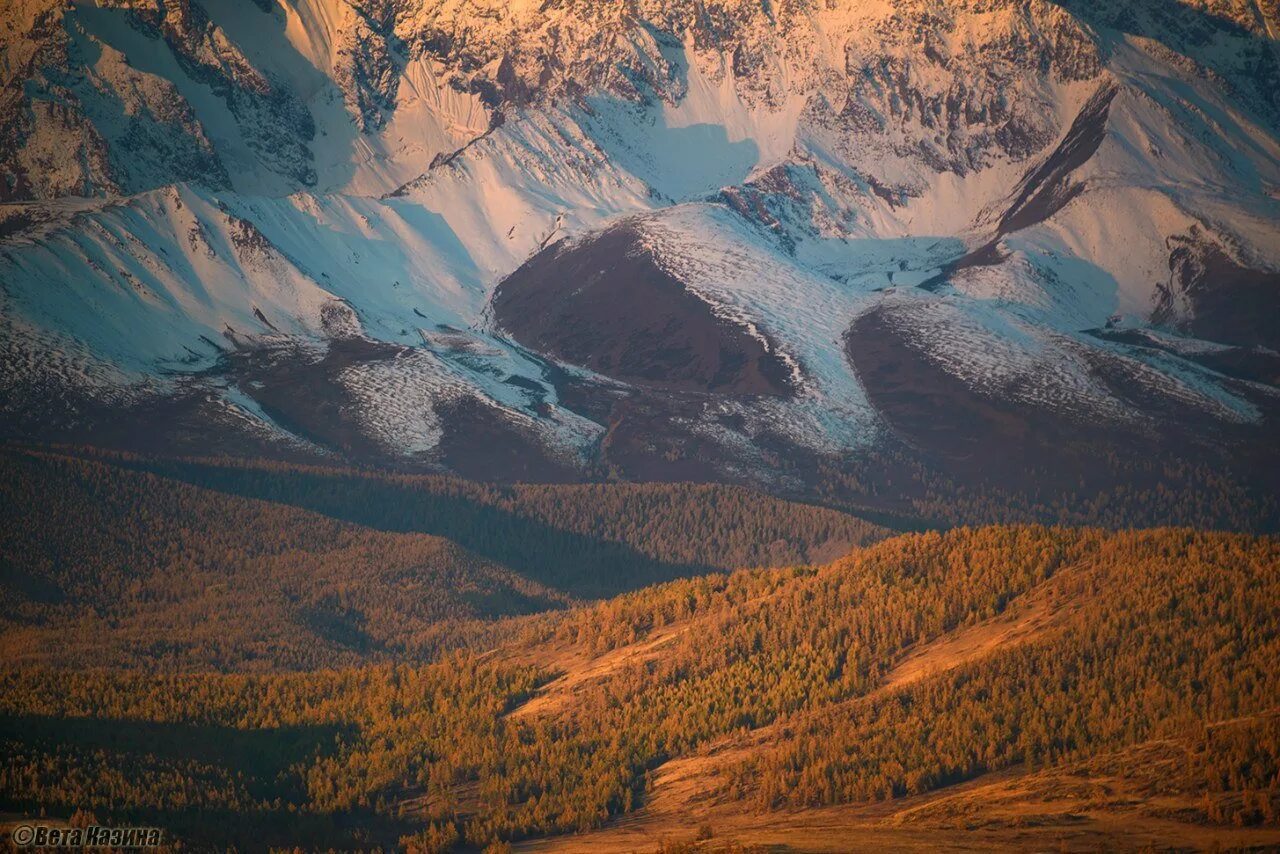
1062, 213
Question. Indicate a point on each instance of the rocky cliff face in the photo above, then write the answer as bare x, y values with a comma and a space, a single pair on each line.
951, 87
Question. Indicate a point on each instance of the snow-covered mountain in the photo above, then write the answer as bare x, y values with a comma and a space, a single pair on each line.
652, 238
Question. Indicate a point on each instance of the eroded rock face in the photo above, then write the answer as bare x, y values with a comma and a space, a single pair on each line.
1230, 40
950, 87
971, 94
605, 304
1048, 188
82, 118
368, 70
1213, 296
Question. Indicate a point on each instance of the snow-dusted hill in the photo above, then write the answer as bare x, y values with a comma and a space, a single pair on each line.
660, 238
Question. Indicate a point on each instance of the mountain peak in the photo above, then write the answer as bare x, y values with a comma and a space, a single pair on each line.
757, 224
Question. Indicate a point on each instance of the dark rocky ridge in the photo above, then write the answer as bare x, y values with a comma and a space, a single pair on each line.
1212, 296
991, 437
605, 304
1047, 187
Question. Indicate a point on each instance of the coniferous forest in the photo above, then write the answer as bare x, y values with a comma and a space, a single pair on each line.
256, 654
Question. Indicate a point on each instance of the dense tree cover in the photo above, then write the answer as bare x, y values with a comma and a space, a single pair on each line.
1166, 634
1180, 630
310, 757
101, 565
738, 527
1107, 489
118, 565
588, 539
1231, 766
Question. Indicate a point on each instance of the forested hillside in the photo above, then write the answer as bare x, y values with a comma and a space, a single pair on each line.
597, 539
104, 564
908, 672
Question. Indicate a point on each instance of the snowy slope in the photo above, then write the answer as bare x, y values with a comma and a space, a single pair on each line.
298, 212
